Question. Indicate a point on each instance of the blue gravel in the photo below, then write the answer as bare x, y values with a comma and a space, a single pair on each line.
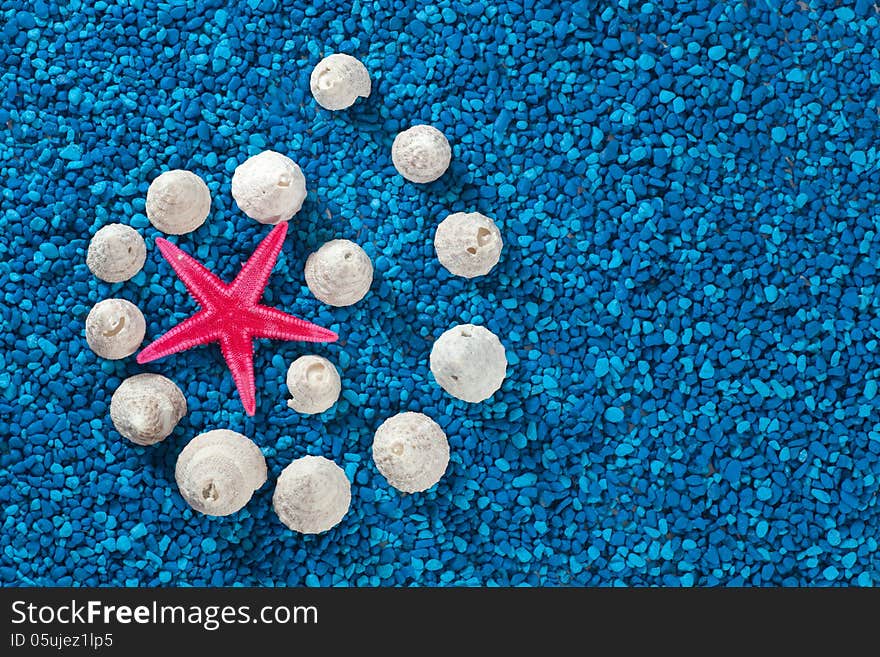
688, 193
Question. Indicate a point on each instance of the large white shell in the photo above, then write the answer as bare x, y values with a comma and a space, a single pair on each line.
146, 407
468, 244
469, 362
115, 328
421, 154
411, 451
339, 80
269, 187
339, 273
312, 495
313, 383
218, 472
116, 253
178, 202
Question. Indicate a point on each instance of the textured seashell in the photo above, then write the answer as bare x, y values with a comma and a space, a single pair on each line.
178, 202
411, 451
421, 154
313, 383
339, 273
115, 328
218, 472
339, 80
146, 407
312, 495
469, 362
468, 244
269, 187
116, 253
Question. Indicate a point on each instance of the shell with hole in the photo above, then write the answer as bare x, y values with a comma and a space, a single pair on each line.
269, 187
469, 362
116, 253
115, 328
468, 244
338, 81
145, 408
339, 273
314, 384
411, 451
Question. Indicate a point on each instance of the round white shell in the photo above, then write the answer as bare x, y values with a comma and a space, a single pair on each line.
312, 495
411, 451
269, 187
115, 328
146, 407
339, 80
339, 273
469, 362
116, 253
421, 154
468, 244
178, 202
218, 472
313, 383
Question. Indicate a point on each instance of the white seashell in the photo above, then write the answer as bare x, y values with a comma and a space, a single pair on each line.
312, 495
146, 407
411, 451
468, 244
313, 383
116, 253
115, 328
269, 187
339, 273
218, 472
469, 362
339, 80
421, 154
178, 202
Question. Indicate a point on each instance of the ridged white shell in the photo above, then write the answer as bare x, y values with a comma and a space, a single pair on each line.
218, 472
146, 407
469, 362
421, 154
468, 244
269, 187
115, 328
178, 202
116, 253
314, 384
312, 495
338, 81
411, 451
339, 273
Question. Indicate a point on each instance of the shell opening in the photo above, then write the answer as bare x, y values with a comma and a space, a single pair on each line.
397, 449
472, 250
120, 324
284, 180
483, 236
315, 373
210, 492
325, 79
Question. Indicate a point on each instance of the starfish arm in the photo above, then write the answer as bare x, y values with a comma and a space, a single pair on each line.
238, 351
251, 280
191, 332
277, 325
202, 284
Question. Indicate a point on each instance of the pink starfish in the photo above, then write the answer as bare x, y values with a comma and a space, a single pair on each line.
232, 314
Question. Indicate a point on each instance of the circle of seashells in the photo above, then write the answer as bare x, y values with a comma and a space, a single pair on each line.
218, 471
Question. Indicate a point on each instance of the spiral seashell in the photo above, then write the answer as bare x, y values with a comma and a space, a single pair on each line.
178, 202
469, 362
339, 80
269, 187
339, 273
313, 383
312, 495
411, 451
218, 472
421, 154
115, 328
146, 407
468, 245
116, 253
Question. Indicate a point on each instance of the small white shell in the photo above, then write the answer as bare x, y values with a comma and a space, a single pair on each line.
218, 472
146, 407
411, 451
421, 154
269, 187
469, 362
178, 202
339, 273
468, 244
116, 253
313, 383
115, 328
339, 80
312, 495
